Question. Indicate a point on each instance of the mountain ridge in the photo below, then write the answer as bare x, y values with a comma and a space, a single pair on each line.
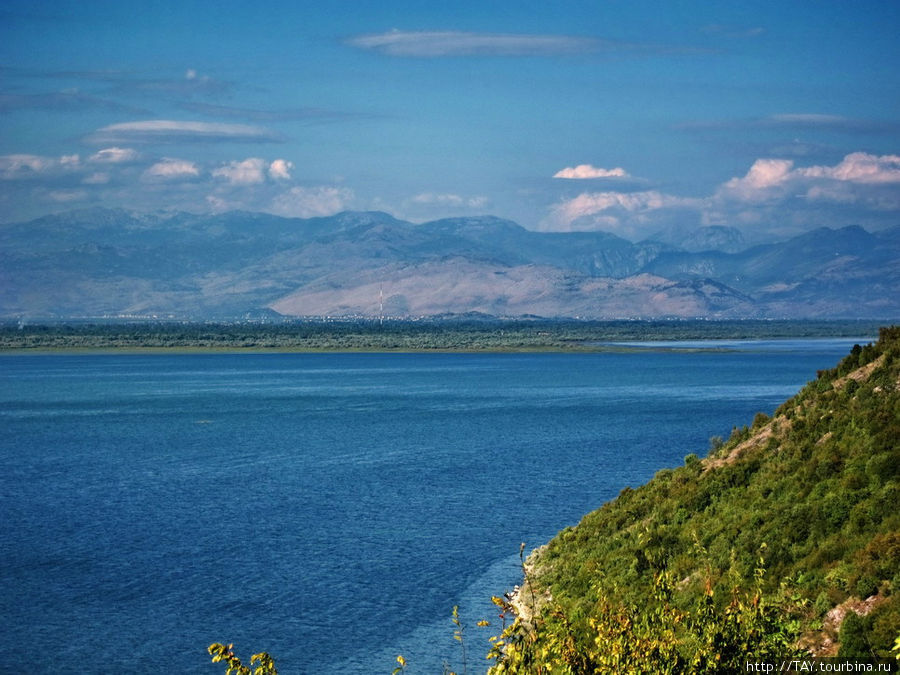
111, 262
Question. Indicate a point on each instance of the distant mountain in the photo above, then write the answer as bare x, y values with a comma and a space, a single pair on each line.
709, 238
825, 272
101, 262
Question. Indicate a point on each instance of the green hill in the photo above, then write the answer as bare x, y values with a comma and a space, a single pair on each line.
762, 548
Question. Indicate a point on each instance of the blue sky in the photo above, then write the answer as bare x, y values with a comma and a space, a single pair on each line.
623, 116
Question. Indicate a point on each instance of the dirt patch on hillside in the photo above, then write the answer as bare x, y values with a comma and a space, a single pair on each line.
824, 643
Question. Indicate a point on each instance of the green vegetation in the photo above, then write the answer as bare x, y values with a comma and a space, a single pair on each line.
713, 635
673, 571
452, 334
260, 664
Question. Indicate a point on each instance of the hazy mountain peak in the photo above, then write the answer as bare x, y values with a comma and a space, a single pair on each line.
697, 239
349, 219
473, 224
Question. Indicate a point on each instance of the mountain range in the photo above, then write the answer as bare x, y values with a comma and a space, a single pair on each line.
114, 263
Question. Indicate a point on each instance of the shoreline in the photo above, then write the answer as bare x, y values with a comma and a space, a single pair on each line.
251, 351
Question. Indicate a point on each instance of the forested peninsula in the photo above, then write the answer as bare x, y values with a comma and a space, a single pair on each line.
784, 542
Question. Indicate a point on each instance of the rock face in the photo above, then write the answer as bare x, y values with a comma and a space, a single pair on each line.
112, 262
824, 643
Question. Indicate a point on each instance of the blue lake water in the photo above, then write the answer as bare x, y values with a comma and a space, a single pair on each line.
328, 508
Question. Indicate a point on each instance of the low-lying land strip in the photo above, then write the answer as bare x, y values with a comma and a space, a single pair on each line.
457, 334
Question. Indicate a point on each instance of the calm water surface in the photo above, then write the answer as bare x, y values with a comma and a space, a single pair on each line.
328, 508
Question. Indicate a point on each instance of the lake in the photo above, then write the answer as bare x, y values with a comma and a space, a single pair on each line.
328, 508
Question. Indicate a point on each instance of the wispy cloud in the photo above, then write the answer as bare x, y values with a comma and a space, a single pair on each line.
458, 43
432, 44
796, 122
67, 196
307, 202
433, 205
115, 83
190, 84
302, 114
114, 155
25, 166
733, 31
171, 131
69, 100
449, 199
97, 178
587, 171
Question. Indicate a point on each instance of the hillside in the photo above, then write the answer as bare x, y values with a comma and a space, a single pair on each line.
116, 263
785, 539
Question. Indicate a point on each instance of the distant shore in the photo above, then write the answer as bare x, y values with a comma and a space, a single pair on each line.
395, 336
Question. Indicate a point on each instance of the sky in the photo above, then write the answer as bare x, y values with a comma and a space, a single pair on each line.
623, 116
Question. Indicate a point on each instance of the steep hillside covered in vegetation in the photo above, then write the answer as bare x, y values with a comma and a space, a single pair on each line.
764, 547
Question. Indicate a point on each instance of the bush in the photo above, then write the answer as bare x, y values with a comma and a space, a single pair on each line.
853, 642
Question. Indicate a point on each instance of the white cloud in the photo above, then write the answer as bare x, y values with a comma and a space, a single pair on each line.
253, 171
24, 166
591, 203
20, 166
280, 169
114, 155
171, 131
307, 202
772, 179
765, 180
172, 169
250, 171
782, 197
626, 213
458, 43
585, 171
859, 167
